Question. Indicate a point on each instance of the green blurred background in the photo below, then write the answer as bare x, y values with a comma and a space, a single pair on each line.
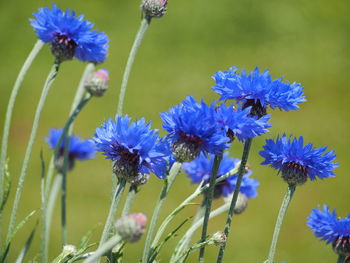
304, 41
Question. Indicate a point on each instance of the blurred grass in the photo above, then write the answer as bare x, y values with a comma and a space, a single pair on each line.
304, 41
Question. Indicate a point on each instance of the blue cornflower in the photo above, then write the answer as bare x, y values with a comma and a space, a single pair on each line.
133, 146
200, 170
296, 161
78, 149
192, 129
329, 227
258, 90
238, 123
69, 35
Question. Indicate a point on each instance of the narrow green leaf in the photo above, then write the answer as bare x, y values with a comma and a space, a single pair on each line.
7, 186
26, 245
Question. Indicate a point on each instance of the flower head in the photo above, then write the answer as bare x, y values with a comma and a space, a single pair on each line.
201, 170
258, 90
78, 149
238, 123
296, 161
69, 35
327, 226
192, 129
133, 146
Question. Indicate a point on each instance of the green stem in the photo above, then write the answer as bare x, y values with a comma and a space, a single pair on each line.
175, 169
44, 242
112, 211
6, 130
129, 199
51, 77
200, 190
56, 186
209, 200
64, 193
341, 259
107, 246
286, 201
137, 42
80, 100
230, 214
186, 239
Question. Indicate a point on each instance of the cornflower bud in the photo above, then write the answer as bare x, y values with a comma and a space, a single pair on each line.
131, 227
97, 83
154, 8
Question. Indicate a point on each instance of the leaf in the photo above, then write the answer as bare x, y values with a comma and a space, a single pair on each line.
154, 253
26, 245
7, 186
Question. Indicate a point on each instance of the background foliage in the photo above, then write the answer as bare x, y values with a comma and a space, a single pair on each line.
305, 41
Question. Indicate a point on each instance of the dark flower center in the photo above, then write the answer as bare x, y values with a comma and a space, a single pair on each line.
187, 147
257, 109
342, 246
294, 173
63, 48
231, 135
59, 162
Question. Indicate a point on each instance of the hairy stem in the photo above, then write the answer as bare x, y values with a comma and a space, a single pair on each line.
137, 42
286, 201
129, 199
175, 169
50, 79
209, 200
241, 172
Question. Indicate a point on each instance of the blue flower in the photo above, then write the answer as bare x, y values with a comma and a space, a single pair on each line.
70, 35
327, 226
298, 162
258, 90
193, 128
133, 146
78, 149
201, 170
239, 124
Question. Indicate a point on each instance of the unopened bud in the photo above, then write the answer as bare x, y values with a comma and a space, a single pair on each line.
218, 239
241, 203
131, 227
97, 83
154, 8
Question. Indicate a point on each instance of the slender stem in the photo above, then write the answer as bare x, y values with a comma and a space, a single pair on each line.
56, 186
64, 194
175, 169
44, 242
6, 130
80, 100
286, 201
230, 214
129, 199
186, 239
200, 189
341, 259
51, 77
113, 209
137, 42
107, 246
209, 200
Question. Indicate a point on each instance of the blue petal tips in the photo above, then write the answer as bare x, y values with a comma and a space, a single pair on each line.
78, 149
258, 90
332, 229
297, 162
69, 35
135, 148
200, 170
197, 127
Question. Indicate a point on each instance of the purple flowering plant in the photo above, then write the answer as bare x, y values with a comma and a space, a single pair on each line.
197, 139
